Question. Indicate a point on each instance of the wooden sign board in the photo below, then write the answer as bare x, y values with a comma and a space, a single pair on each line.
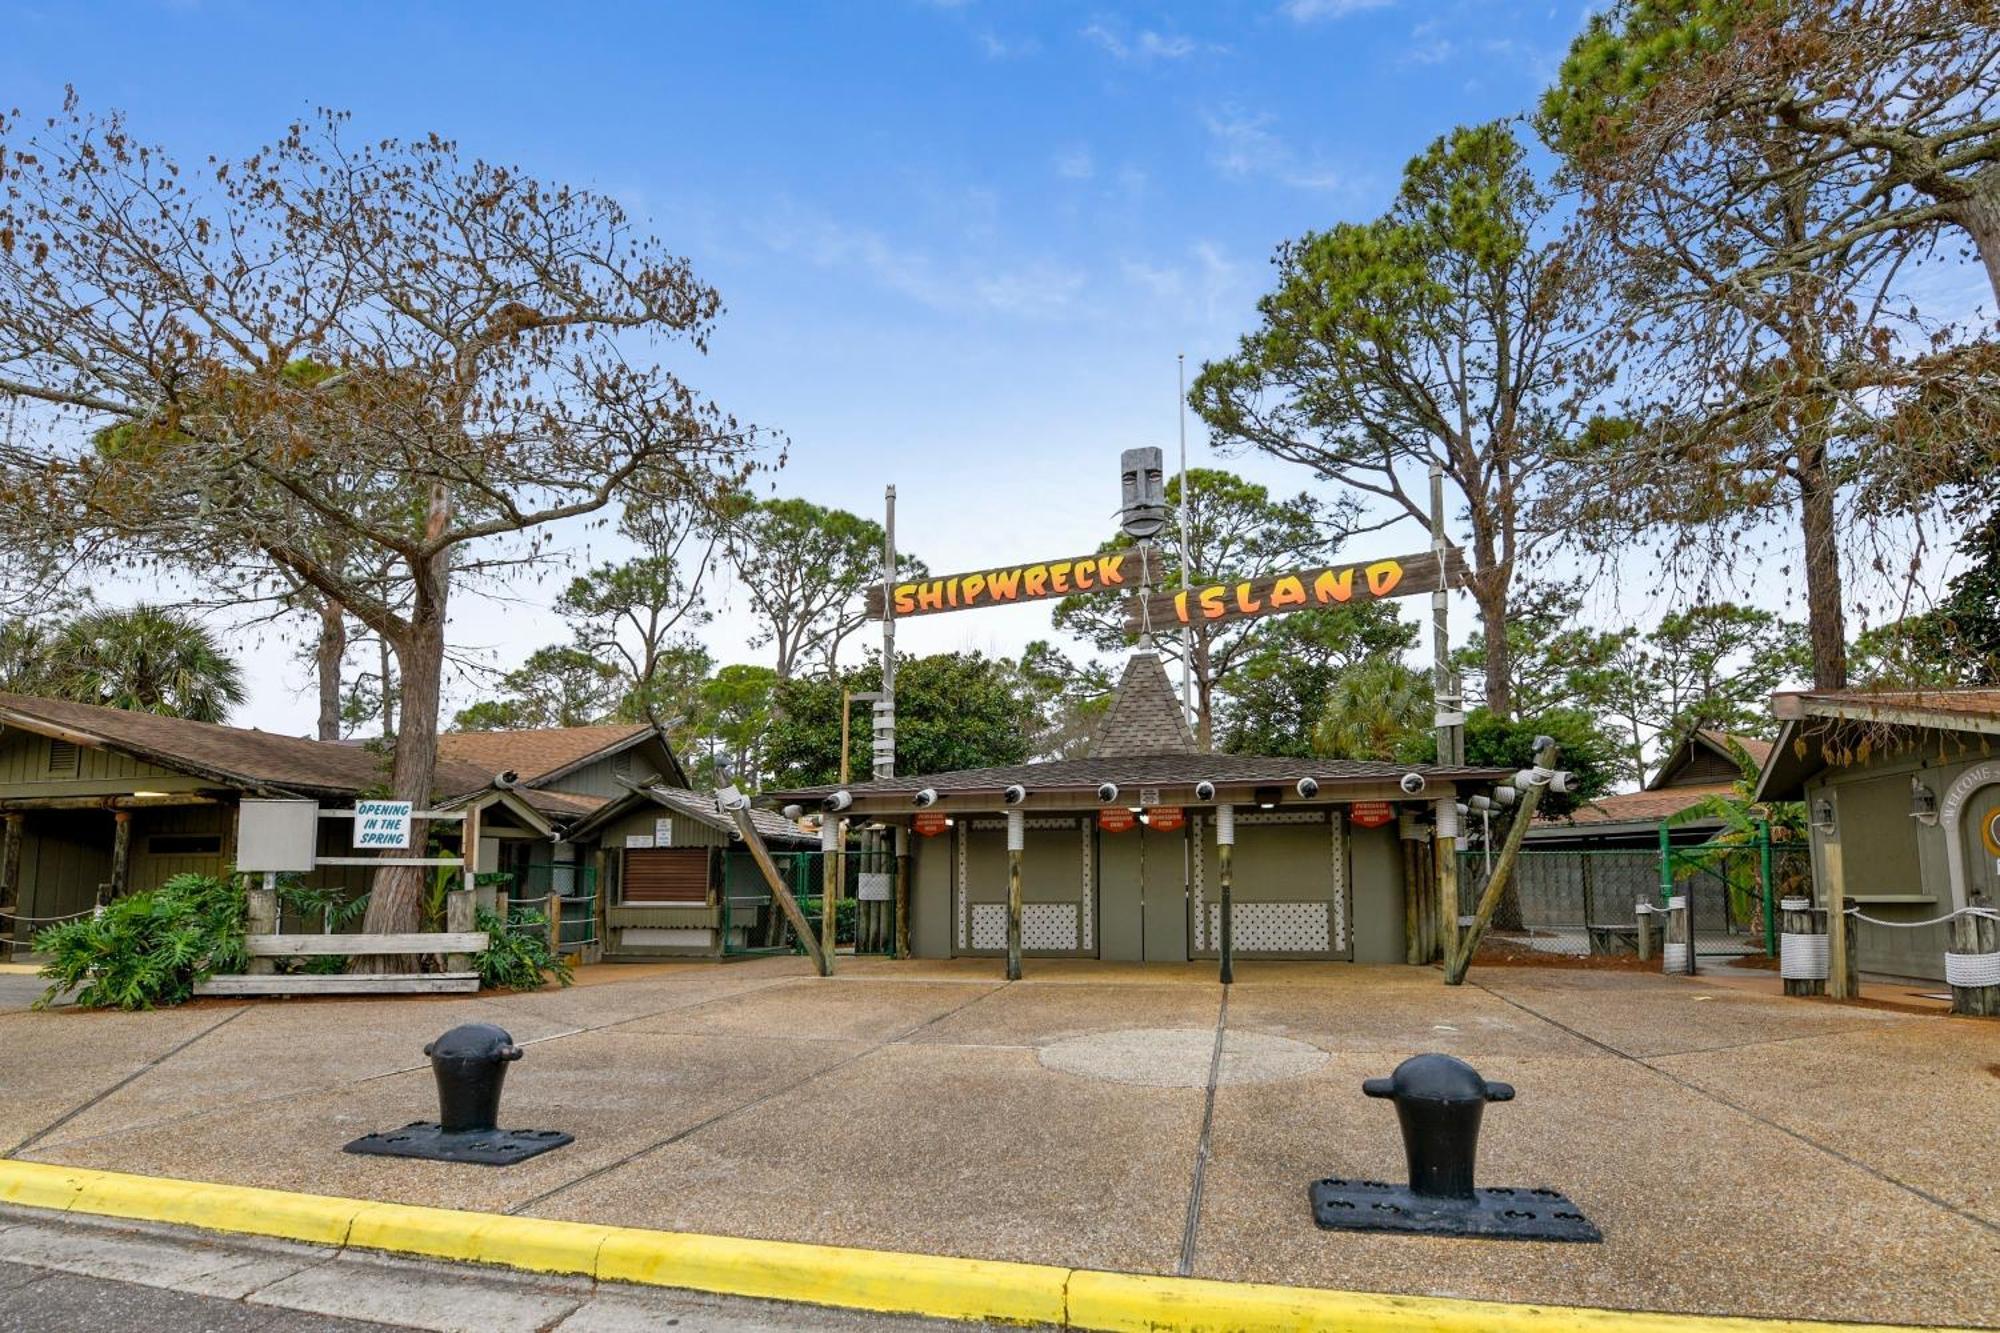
930, 823
1166, 818
1370, 814
1119, 820
1301, 590
1117, 571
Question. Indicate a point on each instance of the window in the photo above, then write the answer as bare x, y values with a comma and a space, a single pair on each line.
184, 844
63, 758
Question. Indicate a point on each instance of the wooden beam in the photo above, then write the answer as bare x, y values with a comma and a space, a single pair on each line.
10, 871
320, 946
753, 841
121, 852
1460, 959
359, 983
29, 804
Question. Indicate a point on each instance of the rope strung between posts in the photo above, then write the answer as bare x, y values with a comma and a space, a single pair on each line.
43, 920
1983, 913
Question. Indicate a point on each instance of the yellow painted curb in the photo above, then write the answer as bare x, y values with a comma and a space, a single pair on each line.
935, 1285
20, 969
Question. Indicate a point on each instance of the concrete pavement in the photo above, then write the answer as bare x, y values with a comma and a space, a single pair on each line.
1743, 1153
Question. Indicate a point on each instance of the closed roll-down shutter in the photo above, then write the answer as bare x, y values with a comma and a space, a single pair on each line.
664, 875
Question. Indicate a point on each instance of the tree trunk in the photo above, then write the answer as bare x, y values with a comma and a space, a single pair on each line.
1979, 214
388, 695
1489, 592
395, 903
327, 660
1825, 625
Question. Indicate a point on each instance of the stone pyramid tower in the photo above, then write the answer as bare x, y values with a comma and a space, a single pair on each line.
1145, 716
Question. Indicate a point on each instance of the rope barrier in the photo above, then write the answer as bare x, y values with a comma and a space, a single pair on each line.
1983, 913
1971, 969
17, 916
1803, 957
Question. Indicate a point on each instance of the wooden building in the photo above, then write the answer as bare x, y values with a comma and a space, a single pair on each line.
1120, 853
1700, 766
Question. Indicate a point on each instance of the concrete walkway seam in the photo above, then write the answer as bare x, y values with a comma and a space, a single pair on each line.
937, 1286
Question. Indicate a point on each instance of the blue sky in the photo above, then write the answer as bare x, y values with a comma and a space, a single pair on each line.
960, 243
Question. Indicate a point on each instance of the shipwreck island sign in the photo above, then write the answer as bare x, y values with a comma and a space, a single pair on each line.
1108, 571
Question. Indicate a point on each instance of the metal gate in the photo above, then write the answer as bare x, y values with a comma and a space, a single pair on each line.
1733, 891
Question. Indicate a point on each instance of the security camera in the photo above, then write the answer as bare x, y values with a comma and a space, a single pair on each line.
924, 798
1413, 784
1308, 788
794, 811
1464, 810
1559, 780
1107, 792
1479, 802
1505, 796
1543, 742
840, 800
731, 799
1204, 791
1529, 778
1015, 794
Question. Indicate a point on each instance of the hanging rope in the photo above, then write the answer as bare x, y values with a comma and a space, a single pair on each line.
1983, 913
45, 920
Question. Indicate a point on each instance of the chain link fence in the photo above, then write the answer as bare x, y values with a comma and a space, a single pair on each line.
864, 911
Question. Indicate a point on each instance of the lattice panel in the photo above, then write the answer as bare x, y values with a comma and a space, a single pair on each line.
1339, 881
1275, 927
1089, 894
1200, 916
1045, 927
1279, 816
961, 833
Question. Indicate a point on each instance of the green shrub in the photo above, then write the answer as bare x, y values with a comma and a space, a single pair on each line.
517, 954
146, 949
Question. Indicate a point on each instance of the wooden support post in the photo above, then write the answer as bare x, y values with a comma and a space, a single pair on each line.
121, 852
260, 917
1978, 936
1225, 849
737, 807
460, 914
1678, 955
555, 920
1853, 955
1017, 835
1802, 919
902, 928
1444, 846
1839, 966
1643, 915
833, 833
1415, 889
1460, 959
10, 872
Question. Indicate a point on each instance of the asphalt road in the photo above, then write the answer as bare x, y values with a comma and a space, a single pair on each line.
62, 1272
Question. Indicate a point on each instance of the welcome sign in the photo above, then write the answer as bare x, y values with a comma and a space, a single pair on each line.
1115, 571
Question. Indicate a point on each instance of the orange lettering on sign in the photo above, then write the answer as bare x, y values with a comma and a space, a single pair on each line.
1211, 604
1082, 575
1180, 607
1006, 584
906, 598
1288, 591
1333, 586
1111, 569
1035, 580
930, 597
1059, 576
974, 585
1383, 576
1245, 603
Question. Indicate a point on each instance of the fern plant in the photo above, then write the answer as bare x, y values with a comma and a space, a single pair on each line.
517, 954
146, 949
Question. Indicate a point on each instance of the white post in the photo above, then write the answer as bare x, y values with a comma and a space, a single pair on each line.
1187, 631
882, 736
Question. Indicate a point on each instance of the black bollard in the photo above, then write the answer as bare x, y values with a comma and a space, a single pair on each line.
1440, 1101
470, 1066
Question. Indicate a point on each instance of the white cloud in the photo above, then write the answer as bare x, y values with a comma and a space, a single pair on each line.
1312, 11
1075, 164
997, 47
1242, 145
1142, 49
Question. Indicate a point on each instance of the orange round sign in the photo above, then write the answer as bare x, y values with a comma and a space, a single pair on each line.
1117, 821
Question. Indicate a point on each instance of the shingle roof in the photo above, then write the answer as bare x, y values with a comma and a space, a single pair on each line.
1758, 750
1144, 718
1084, 775
1969, 703
698, 806
1648, 806
534, 755
230, 756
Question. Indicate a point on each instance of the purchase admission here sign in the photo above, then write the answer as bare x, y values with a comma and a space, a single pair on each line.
382, 825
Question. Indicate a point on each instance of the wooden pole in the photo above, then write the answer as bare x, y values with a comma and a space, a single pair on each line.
737, 807
121, 852
902, 936
1839, 968
1460, 959
1642, 913
832, 832
460, 910
1445, 850
1225, 848
1413, 944
1017, 836
1805, 920
1978, 936
1680, 935
10, 871
260, 917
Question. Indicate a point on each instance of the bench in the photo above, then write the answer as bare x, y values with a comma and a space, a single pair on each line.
1614, 939
454, 944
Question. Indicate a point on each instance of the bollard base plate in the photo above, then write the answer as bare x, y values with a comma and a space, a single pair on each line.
1501, 1214
491, 1147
